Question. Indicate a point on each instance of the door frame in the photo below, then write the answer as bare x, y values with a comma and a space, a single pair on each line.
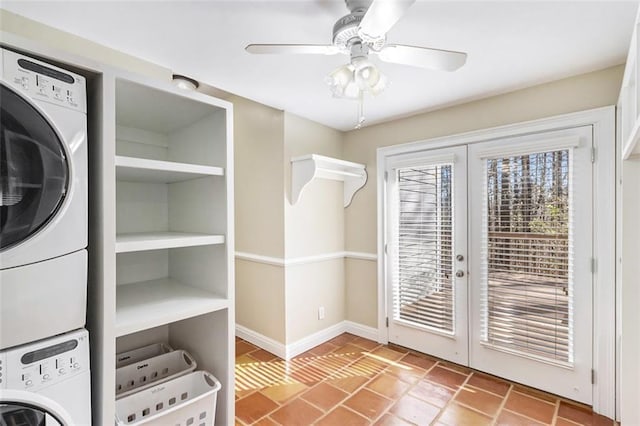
602, 121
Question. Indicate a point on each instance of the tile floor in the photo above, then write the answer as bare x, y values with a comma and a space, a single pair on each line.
354, 381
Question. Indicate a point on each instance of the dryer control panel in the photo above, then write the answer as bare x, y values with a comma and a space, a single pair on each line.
43, 81
38, 365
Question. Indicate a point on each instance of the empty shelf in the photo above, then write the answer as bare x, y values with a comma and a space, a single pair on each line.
147, 304
306, 168
134, 169
163, 240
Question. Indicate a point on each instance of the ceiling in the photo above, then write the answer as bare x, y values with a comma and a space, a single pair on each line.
510, 45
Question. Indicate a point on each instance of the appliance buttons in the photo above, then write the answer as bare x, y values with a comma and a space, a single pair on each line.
62, 371
76, 365
28, 383
46, 377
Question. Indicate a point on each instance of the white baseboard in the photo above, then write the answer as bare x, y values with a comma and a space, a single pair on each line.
306, 343
360, 330
262, 341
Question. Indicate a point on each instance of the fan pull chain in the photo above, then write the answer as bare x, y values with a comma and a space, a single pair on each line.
360, 110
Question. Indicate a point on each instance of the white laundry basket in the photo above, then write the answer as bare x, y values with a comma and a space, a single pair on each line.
130, 357
186, 401
149, 372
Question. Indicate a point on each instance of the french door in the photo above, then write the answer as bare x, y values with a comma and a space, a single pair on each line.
489, 250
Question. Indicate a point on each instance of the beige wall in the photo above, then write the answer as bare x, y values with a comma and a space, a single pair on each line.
259, 206
60, 40
578, 93
260, 299
313, 226
309, 286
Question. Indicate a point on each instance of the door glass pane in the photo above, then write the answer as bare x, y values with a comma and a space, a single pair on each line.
423, 291
33, 170
527, 256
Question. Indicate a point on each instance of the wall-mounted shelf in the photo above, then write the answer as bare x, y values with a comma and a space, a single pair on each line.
306, 168
133, 169
149, 304
163, 240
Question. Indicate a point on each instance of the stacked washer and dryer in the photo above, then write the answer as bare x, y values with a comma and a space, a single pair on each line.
44, 349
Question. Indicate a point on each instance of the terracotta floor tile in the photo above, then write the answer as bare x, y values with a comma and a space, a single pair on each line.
323, 349
530, 407
331, 363
564, 422
243, 347
253, 407
457, 415
245, 359
406, 372
309, 374
489, 383
455, 367
364, 367
349, 349
390, 420
262, 355
365, 343
388, 385
536, 393
348, 384
432, 393
265, 421
508, 418
296, 413
367, 403
324, 396
282, 393
342, 339
388, 353
581, 415
414, 410
398, 348
480, 400
445, 377
355, 381
342, 417
418, 361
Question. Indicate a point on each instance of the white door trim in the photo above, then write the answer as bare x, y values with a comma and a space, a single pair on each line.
604, 173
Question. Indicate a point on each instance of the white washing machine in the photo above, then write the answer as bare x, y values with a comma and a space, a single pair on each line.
43, 200
47, 382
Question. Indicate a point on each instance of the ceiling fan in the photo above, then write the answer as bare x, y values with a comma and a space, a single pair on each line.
363, 32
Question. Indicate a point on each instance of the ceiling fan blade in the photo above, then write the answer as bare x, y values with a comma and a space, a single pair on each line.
308, 49
423, 57
381, 16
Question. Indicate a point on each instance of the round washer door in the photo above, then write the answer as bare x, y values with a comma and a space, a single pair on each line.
34, 173
30, 409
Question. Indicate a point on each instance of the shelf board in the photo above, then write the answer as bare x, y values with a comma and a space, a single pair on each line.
631, 147
132, 169
309, 167
148, 304
163, 240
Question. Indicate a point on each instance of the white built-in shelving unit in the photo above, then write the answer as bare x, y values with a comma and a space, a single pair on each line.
163, 237
306, 168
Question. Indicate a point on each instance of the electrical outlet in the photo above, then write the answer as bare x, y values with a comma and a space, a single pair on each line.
321, 313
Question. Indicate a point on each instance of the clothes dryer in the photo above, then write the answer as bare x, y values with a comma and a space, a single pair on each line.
43, 200
47, 382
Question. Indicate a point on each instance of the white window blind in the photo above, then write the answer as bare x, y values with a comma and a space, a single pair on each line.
526, 278
423, 291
